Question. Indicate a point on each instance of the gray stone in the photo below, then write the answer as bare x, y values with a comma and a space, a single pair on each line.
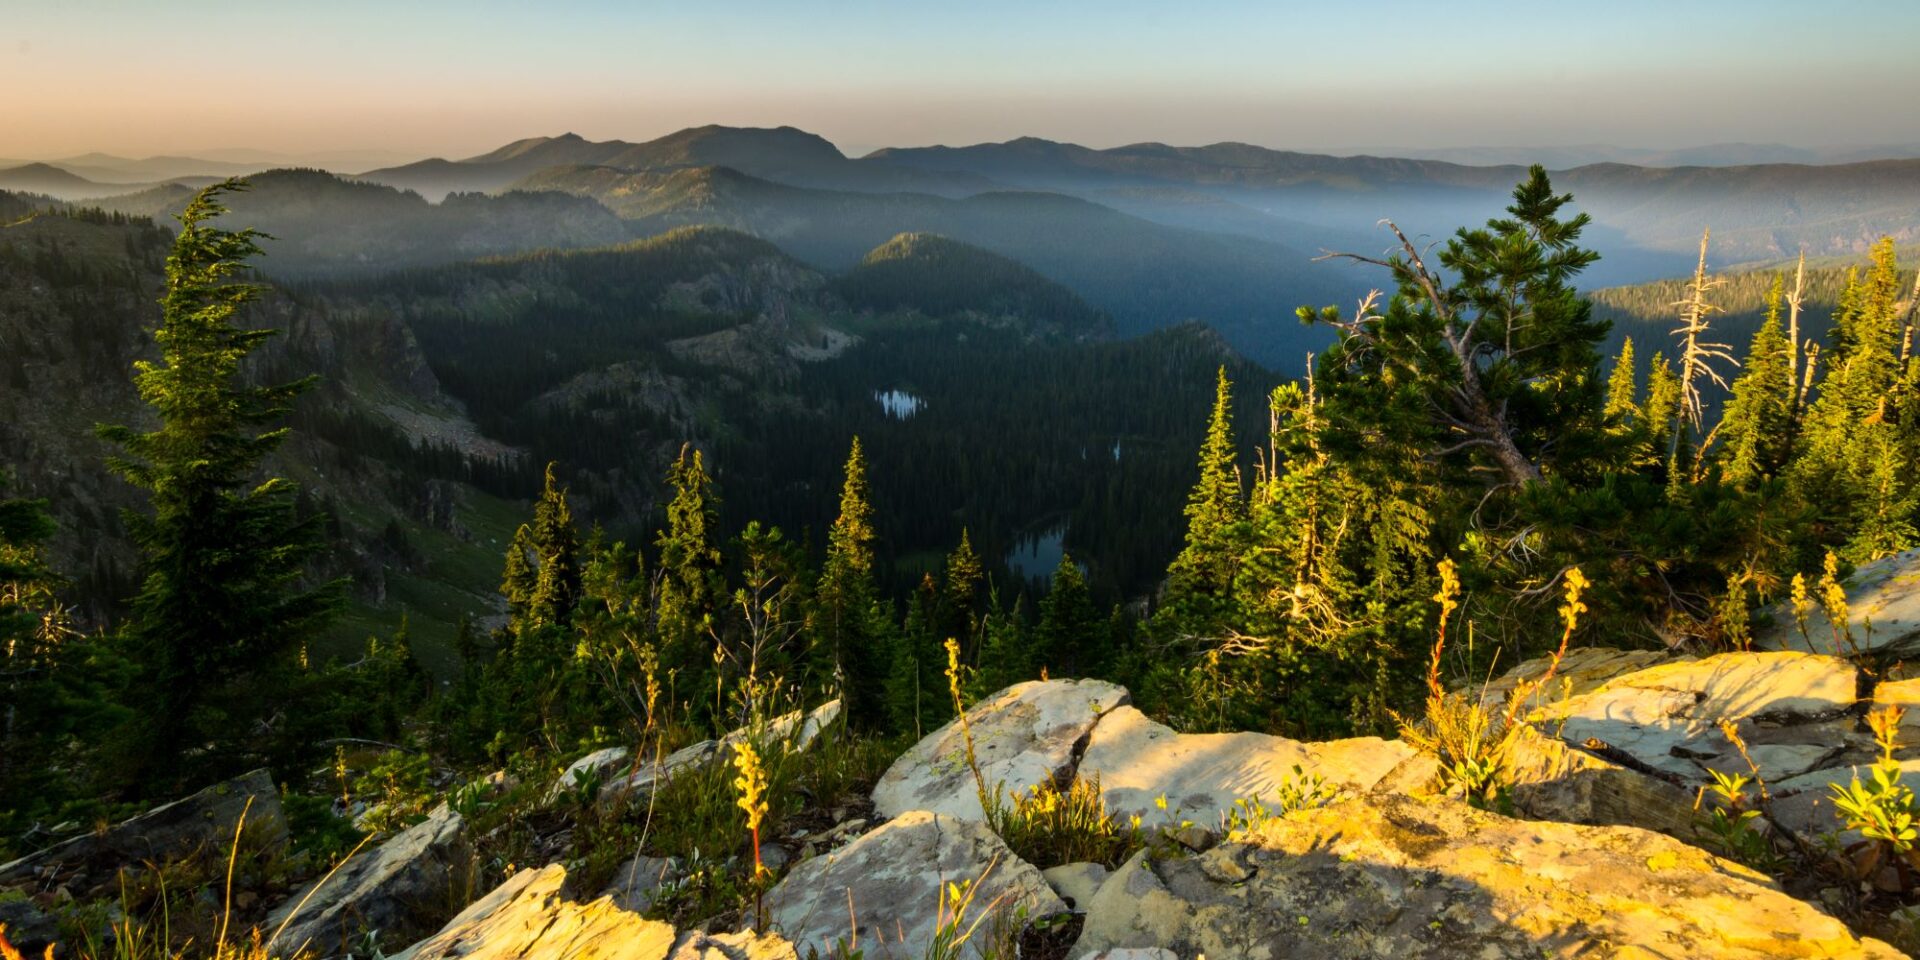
1667, 717
1422, 879
1027, 734
1549, 779
1076, 883
1883, 609
889, 884
25, 925
404, 886
621, 778
633, 887
1137, 761
1582, 670
531, 916
205, 819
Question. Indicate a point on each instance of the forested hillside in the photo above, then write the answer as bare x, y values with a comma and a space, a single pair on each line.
458, 541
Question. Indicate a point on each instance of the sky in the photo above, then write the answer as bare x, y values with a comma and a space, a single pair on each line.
138, 77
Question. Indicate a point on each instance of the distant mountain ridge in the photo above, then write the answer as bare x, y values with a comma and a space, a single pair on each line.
786, 154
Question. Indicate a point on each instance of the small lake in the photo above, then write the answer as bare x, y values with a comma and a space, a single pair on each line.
898, 404
1035, 557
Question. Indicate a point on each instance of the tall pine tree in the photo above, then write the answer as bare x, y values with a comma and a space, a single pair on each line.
1757, 426
556, 543
848, 629
222, 603
689, 569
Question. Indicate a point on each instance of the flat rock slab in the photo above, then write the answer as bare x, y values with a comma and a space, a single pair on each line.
1027, 734
532, 916
1582, 670
1666, 717
1883, 612
1549, 779
205, 819
888, 882
1417, 879
405, 885
1137, 761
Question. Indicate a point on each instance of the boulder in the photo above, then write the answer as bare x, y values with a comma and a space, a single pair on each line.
1076, 883
1201, 774
25, 925
1418, 878
745, 945
888, 884
1883, 608
1552, 780
620, 777
797, 729
1790, 708
602, 765
204, 820
1581, 670
1805, 803
531, 916
1027, 734
633, 887
404, 886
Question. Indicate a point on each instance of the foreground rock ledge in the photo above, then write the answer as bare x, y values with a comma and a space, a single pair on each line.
1395, 876
1028, 733
531, 916
890, 880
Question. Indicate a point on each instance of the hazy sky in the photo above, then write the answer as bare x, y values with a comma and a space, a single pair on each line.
141, 77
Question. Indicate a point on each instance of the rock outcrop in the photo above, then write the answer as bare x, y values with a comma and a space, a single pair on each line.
1395, 876
1883, 608
1027, 734
1612, 745
619, 776
205, 819
888, 884
404, 886
1201, 775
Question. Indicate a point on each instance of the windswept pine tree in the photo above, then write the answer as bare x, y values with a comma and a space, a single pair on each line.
1495, 368
223, 605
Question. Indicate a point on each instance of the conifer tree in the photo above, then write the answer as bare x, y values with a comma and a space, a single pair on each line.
1492, 365
1660, 414
848, 636
1215, 509
689, 564
1067, 638
222, 604
1623, 390
557, 545
1858, 464
517, 577
1757, 426
960, 600
915, 688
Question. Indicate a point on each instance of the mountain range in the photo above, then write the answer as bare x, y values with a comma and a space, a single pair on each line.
1151, 234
